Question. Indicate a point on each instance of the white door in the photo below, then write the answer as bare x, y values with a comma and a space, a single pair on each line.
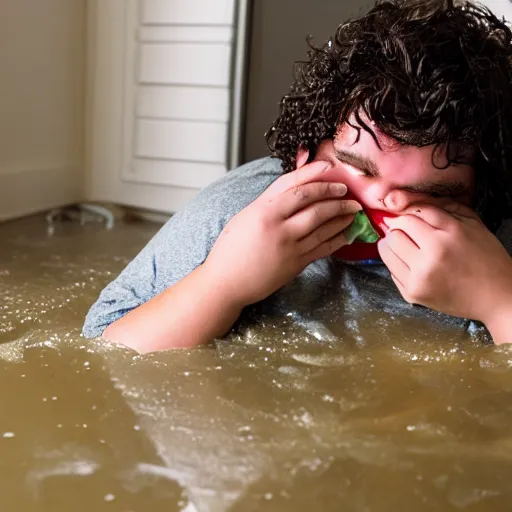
160, 82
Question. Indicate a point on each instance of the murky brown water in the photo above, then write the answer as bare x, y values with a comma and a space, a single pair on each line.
275, 421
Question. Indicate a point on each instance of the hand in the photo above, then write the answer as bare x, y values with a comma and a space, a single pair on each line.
449, 261
297, 220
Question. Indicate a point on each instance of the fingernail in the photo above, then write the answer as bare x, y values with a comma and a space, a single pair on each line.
340, 189
387, 224
354, 206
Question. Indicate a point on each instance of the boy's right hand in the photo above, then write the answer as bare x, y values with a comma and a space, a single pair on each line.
300, 218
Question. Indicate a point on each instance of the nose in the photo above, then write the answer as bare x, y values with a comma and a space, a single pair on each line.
397, 200
392, 199
380, 196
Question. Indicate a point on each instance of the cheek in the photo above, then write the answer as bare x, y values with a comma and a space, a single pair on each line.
338, 172
355, 183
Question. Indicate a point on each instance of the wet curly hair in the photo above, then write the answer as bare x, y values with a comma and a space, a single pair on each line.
427, 72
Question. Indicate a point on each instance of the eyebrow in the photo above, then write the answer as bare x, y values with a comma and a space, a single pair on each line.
359, 162
449, 188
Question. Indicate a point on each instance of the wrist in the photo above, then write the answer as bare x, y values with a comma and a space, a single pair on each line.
216, 283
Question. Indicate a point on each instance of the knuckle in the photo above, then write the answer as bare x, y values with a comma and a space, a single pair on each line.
329, 246
343, 207
440, 252
266, 221
318, 236
326, 189
343, 222
338, 242
283, 242
300, 192
317, 212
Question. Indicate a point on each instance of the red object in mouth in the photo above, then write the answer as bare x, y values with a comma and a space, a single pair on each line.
359, 251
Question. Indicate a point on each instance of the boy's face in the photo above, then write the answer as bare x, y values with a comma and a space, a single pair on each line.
394, 177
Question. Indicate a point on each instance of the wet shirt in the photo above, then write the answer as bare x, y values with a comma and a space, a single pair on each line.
330, 300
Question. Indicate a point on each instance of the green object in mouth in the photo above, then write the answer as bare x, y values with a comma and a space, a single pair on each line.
361, 230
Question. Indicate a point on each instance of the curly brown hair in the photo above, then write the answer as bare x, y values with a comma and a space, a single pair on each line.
427, 72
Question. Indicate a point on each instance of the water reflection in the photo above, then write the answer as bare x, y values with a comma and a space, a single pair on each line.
70, 441
269, 420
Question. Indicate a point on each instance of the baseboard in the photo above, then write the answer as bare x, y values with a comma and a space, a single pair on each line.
28, 192
150, 215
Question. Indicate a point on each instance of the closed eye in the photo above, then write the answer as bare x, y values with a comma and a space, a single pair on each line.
440, 190
435, 195
356, 171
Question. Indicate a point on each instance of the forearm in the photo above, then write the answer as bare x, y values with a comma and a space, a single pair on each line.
192, 312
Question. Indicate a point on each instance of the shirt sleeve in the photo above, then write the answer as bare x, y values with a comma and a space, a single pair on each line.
181, 245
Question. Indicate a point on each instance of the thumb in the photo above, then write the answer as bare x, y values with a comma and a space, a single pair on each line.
461, 211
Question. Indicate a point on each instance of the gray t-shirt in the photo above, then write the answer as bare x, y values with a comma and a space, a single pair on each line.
330, 300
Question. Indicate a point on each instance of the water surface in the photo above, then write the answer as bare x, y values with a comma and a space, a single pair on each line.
272, 420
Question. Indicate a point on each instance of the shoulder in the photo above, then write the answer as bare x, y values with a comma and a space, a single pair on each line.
216, 204
189, 234
244, 184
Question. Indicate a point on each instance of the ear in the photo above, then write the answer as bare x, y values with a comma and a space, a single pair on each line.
302, 157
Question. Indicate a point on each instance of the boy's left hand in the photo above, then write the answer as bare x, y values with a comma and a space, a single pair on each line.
449, 261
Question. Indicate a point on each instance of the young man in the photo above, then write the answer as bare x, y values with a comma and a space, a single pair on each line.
409, 109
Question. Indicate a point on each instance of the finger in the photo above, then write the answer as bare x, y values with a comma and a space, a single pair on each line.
441, 218
395, 264
400, 243
461, 211
313, 171
325, 232
303, 196
416, 228
433, 215
302, 157
326, 248
307, 220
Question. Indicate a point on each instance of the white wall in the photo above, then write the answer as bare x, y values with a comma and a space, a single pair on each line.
500, 8
42, 65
